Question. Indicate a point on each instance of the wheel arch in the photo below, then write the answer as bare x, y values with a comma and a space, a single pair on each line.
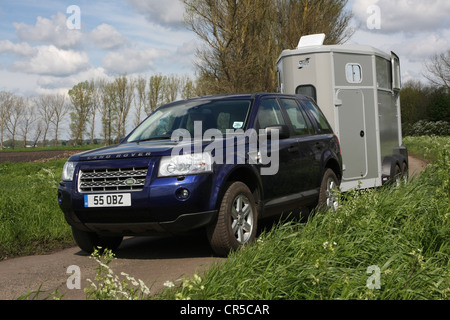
333, 164
246, 175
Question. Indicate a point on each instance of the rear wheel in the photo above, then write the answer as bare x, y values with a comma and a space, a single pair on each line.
89, 241
405, 172
397, 175
236, 222
329, 191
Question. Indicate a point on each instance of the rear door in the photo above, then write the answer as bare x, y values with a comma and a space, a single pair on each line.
279, 188
303, 131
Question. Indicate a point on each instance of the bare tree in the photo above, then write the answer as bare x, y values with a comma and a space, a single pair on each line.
96, 105
141, 98
29, 118
438, 70
81, 96
243, 38
188, 87
46, 112
108, 98
172, 88
6, 102
124, 98
60, 110
37, 132
15, 118
156, 93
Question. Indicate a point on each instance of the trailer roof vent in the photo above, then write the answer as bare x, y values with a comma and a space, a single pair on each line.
311, 40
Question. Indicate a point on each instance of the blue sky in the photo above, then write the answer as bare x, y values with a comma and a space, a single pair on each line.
39, 54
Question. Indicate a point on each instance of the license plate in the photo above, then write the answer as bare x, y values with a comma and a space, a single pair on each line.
107, 200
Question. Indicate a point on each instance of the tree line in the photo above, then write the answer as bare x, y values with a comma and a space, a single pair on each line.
113, 105
426, 106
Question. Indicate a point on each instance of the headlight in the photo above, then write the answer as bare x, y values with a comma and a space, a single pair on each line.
183, 165
68, 171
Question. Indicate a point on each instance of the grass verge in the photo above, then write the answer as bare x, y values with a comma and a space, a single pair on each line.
30, 219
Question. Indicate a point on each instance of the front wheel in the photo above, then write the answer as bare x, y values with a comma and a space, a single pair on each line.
236, 222
329, 191
89, 241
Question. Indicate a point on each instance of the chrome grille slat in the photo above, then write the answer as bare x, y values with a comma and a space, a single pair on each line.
101, 180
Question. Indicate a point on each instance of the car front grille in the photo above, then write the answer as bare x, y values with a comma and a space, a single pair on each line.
104, 180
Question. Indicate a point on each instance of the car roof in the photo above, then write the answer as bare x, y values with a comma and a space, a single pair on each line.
246, 96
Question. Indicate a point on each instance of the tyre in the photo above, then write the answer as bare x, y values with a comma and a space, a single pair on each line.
405, 172
397, 175
329, 191
88, 241
236, 222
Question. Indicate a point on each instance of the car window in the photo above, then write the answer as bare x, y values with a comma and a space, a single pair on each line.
300, 123
223, 114
316, 113
269, 114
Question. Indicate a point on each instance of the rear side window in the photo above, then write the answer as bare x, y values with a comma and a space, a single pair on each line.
315, 113
269, 114
300, 123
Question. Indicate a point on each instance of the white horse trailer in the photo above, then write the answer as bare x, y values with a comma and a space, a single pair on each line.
358, 89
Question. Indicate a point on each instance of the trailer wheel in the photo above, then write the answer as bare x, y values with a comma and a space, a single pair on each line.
398, 175
405, 172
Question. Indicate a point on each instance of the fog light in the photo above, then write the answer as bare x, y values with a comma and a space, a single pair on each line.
183, 194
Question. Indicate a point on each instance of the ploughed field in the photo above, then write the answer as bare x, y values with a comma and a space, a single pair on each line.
36, 156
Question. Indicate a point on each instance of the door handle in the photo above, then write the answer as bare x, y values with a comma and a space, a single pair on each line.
362, 133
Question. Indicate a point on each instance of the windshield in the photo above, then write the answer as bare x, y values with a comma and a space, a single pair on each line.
216, 114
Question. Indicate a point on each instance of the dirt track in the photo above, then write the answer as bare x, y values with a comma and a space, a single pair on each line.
154, 260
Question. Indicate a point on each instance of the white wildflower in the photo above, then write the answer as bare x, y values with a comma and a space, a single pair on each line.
169, 284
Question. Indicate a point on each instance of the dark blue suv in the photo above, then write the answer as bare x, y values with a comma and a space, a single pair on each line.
218, 163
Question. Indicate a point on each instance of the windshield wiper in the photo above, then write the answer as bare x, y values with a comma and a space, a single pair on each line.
154, 138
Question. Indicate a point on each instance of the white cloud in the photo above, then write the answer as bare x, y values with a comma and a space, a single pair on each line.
107, 37
52, 84
420, 49
407, 16
21, 49
54, 31
49, 60
131, 60
168, 13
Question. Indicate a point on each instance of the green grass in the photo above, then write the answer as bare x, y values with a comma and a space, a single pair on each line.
427, 147
30, 219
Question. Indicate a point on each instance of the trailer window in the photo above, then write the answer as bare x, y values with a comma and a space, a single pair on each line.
307, 90
353, 72
384, 73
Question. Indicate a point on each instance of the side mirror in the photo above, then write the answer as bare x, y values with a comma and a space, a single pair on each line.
283, 131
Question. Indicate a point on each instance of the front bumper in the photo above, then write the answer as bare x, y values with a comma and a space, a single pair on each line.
158, 208
184, 223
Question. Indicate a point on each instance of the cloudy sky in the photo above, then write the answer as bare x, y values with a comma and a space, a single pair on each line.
48, 46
